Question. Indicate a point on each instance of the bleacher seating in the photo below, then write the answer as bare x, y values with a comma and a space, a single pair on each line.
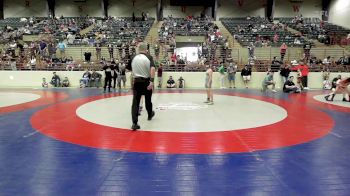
257, 29
315, 28
122, 29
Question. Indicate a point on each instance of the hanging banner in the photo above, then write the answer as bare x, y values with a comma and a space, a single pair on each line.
296, 8
80, 8
27, 3
240, 3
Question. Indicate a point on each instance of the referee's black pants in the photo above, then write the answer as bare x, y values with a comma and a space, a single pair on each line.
304, 81
108, 82
139, 89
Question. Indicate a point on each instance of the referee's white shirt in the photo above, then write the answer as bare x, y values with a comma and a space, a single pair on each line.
141, 65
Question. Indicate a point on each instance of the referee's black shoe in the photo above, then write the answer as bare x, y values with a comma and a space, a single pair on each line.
150, 117
134, 127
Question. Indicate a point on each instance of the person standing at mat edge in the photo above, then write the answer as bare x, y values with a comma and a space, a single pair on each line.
143, 71
208, 84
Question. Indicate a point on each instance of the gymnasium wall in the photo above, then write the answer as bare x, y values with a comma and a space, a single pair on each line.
235, 8
309, 8
33, 79
25, 8
125, 8
226, 8
339, 12
73, 9
177, 12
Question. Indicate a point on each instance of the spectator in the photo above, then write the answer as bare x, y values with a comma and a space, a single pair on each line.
343, 60
70, 38
285, 71
160, 75
62, 47
44, 84
327, 61
108, 68
42, 48
98, 52
275, 64
170, 83
95, 79
55, 80
275, 39
84, 81
251, 48
246, 74
307, 48
221, 70
181, 82
156, 51
115, 71
231, 73
65, 82
87, 56
303, 70
32, 62
121, 75
110, 51
283, 50
268, 80
289, 86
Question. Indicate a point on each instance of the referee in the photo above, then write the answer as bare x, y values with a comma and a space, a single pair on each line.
143, 71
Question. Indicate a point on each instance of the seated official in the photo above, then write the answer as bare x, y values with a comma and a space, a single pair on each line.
95, 79
181, 82
170, 83
84, 81
289, 86
65, 82
55, 80
44, 84
268, 81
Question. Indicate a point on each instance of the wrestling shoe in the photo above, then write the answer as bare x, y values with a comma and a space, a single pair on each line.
152, 115
134, 127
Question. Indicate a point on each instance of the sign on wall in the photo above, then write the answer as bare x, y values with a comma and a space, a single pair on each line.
240, 3
296, 8
27, 3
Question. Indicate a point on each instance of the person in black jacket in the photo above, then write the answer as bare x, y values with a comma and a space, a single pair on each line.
115, 68
285, 71
246, 74
108, 68
95, 79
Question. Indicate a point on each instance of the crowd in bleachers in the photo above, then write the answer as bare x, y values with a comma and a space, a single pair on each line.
56, 34
215, 48
121, 35
315, 28
261, 32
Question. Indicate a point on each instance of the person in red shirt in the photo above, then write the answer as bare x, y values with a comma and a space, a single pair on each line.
304, 72
342, 88
275, 38
283, 50
322, 24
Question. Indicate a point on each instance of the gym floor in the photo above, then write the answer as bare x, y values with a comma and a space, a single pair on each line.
79, 142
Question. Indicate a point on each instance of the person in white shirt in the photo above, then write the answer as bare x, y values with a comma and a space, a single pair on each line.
70, 38
32, 62
231, 73
327, 61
